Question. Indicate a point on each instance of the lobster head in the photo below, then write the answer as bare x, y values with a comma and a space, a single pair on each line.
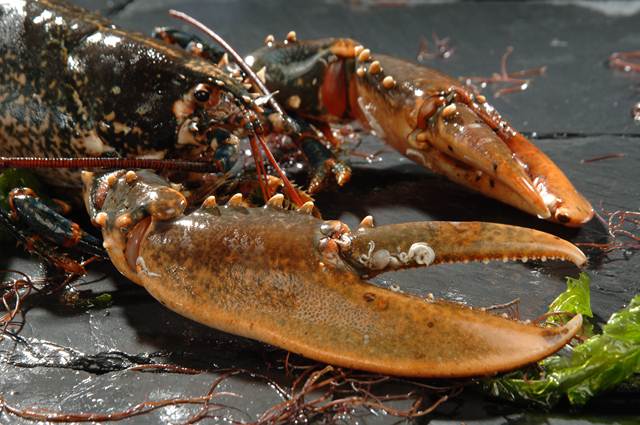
212, 114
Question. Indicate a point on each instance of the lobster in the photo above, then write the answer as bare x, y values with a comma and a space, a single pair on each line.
74, 85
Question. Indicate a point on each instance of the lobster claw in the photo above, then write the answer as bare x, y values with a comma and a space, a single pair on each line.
503, 165
426, 116
433, 120
462, 341
295, 281
469, 152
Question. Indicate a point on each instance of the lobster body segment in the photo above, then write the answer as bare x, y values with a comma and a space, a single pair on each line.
295, 281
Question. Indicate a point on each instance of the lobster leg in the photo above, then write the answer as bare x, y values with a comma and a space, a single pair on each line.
292, 280
47, 233
325, 167
425, 115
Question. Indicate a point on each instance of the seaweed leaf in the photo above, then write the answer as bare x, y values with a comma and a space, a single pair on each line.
11, 179
576, 299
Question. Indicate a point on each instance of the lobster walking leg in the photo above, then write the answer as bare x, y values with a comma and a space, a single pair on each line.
45, 232
292, 280
425, 115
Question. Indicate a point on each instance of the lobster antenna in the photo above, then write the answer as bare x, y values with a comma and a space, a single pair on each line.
153, 164
257, 82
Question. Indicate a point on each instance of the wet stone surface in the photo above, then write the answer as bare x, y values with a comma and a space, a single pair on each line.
579, 110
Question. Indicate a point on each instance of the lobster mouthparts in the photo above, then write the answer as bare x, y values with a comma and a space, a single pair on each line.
432, 119
298, 282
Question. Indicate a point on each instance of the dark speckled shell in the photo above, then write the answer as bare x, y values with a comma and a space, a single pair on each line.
72, 84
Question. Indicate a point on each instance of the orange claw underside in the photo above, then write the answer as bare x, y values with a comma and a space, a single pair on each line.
433, 120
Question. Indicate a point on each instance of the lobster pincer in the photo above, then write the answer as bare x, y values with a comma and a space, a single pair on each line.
425, 115
293, 280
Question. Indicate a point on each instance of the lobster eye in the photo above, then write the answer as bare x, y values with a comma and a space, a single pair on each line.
201, 93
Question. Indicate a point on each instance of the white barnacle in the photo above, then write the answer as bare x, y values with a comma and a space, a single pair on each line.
364, 258
421, 253
142, 266
380, 259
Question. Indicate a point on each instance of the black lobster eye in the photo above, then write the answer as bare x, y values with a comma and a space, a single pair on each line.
201, 93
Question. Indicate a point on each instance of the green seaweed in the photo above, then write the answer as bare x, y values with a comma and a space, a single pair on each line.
599, 364
576, 299
12, 178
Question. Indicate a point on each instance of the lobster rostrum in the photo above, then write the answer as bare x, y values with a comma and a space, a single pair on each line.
75, 86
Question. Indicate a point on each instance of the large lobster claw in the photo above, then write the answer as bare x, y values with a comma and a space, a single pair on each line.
295, 281
428, 117
433, 120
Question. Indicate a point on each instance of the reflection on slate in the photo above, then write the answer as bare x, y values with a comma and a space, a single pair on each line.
580, 109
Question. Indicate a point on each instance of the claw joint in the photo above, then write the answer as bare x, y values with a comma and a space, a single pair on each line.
336, 239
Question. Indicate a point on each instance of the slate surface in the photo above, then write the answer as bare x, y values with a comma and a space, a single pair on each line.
580, 109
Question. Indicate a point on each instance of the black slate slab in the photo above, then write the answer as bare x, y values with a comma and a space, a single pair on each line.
580, 109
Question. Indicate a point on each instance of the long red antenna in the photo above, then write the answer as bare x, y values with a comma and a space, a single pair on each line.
293, 194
